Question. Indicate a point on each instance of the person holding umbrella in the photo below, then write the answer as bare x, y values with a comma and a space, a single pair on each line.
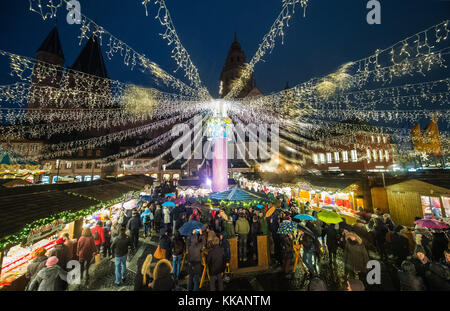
331, 235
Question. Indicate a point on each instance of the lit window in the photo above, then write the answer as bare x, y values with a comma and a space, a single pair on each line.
381, 155
80, 153
68, 164
384, 140
88, 165
316, 159
20, 148
354, 156
329, 158
386, 155
97, 152
378, 139
336, 157
374, 153
80, 165
369, 155
89, 154
373, 139
345, 156
322, 158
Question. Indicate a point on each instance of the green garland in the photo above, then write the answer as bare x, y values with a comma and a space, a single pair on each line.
66, 216
244, 204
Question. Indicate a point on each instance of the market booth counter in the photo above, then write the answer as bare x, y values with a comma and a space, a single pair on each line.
19, 240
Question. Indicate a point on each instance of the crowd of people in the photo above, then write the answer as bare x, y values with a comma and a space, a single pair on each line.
418, 258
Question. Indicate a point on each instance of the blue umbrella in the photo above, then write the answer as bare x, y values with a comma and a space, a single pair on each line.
259, 206
170, 195
168, 204
187, 228
146, 198
305, 217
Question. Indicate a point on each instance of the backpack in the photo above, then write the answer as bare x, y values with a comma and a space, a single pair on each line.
96, 235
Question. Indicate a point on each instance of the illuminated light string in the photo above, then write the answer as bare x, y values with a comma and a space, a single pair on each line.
179, 53
143, 149
96, 142
131, 58
35, 72
267, 44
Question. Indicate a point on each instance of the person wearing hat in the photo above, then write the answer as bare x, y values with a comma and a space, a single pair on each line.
355, 255
421, 261
37, 264
216, 265
409, 280
61, 252
49, 278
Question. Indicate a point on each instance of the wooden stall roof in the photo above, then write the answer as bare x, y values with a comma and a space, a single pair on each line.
415, 185
19, 210
23, 205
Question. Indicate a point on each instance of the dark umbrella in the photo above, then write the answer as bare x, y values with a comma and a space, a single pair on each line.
306, 231
191, 200
431, 224
187, 228
146, 198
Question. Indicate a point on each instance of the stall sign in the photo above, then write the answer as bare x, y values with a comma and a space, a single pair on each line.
41, 233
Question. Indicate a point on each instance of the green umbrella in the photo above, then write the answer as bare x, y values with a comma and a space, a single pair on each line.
329, 217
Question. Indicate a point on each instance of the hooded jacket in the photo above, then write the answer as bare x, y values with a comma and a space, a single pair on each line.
35, 266
47, 279
162, 275
355, 255
437, 277
242, 226
120, 246
195, 254
215, 260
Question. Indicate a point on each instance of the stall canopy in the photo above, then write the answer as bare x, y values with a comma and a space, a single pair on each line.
19, 210
235, 194
23, 205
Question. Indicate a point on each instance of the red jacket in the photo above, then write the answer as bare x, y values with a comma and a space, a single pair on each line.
101, 234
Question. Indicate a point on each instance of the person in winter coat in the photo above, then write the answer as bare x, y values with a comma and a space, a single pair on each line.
219, 223
309, 248
255, 230
37, 264
49, 278
134, 224
178, 249
235, 216
437, 277
196, 243
147, 218
162, 277
165, 220
361, 231
355, 255
409, 280
107, 233
420, 261
332, 242
157, 223
69, 246
438, 245
166, 243
99, 235
380, 232
119, 250
85, 251
61, 251
400, 246
144, 276
242, 229
180, 221
223, 242
216, 265
287, 250
388, 222
264, 226
195, 215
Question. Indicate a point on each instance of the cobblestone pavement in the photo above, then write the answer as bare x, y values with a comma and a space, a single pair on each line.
103, 276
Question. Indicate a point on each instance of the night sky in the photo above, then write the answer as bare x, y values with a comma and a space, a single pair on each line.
332, 33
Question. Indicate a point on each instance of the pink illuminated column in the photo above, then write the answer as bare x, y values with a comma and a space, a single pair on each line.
220, 165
